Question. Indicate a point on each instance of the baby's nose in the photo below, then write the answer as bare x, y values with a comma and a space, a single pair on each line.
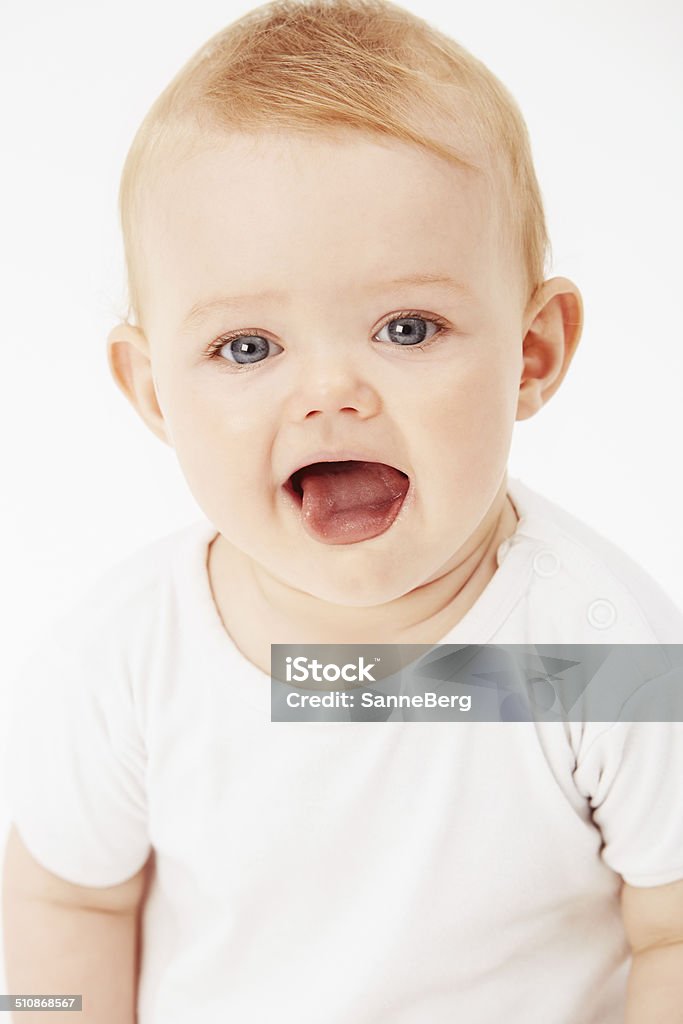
332, 384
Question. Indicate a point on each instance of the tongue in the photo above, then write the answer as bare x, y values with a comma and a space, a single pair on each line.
345, 502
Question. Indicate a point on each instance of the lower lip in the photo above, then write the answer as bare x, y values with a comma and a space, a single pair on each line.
353, 525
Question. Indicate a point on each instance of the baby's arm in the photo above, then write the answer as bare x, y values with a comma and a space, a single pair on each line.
653, 918
61, 938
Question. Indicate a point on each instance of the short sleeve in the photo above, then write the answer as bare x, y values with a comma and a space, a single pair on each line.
632, 774
75, 762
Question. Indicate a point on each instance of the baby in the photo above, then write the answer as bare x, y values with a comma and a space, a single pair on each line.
336, 246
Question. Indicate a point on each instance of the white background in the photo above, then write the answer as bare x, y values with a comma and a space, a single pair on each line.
85, 483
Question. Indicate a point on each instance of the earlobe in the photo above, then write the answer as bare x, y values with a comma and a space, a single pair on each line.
555, 320
131, 367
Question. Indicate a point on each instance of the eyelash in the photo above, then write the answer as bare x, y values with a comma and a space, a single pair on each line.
213, 350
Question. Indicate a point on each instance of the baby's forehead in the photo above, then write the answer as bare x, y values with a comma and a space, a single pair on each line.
348, 180
332, 163
341, 206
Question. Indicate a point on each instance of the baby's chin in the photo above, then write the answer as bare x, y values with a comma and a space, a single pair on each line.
373, 586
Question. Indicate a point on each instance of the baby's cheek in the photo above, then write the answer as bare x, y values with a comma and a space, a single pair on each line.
221, 451
465, 433
469, 405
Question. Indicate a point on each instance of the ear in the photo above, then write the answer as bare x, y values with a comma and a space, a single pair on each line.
555, 319
131, 368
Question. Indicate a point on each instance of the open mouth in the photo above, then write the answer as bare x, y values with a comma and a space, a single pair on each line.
347, 501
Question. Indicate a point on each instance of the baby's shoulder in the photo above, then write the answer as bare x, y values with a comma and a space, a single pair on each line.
597, 591
133, 598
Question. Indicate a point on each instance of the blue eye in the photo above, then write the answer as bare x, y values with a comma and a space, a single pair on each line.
243, 348
411, 330
247, 347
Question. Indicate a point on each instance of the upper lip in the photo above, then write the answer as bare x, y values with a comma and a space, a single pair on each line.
341, 455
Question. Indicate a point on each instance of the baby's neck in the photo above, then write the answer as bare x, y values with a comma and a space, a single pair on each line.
268, 612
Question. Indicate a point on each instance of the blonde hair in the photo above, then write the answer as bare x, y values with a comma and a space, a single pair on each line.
323, 65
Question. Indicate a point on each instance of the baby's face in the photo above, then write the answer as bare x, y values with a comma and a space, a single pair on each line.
307, 246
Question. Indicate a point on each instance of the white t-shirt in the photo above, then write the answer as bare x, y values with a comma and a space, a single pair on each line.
351, 872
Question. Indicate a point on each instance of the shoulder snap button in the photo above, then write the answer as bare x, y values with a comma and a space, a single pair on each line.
546, 563
601, 613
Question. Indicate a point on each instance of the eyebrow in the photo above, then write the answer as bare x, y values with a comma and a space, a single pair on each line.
201, 311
